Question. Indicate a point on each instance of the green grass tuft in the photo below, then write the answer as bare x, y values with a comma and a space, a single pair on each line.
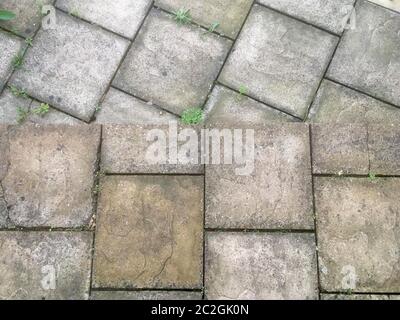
192, 116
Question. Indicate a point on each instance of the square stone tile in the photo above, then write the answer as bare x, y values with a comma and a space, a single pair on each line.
279, 60
28, 15
45, 265
123, 17
384, 147
9, 105
70, 67
172, 65
327, 14
10, 46
227, 106
48, 174
260, 266
358, 234
277, 194
340, 148
338, 104
150, 232
145, 295
368, 57
125, 149
230, 14
121, 108
391, 4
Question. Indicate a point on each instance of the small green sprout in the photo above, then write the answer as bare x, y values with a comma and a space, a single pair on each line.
18, 92
243, 90
29, 41
22, 115
372, 177
42, 110
213, 27
182, 16
17, 61
6, 15
192, 116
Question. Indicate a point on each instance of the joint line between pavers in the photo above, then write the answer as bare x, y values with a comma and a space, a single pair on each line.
108, 289
353, 176
244, 230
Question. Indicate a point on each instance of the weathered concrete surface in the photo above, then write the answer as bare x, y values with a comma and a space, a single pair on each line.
384, 146
327, 14
3, 210
10, 46
9, 105
276, 195
340, 148
172, 65
358, 234
45, 265
145, 295
28, 15
252, 266
358, 297
391, 4
337, 104
71, 66
129, 149
280, 60
123, 17
121, 108
230, 14
48, 174
368, 57
227, 106
150, 232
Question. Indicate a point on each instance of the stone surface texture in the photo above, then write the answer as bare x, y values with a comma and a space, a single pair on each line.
9, 105
145, 295
10, 47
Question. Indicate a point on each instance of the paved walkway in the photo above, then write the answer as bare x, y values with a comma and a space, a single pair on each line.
83, 215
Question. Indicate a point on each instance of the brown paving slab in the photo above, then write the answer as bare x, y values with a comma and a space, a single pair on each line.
145, 295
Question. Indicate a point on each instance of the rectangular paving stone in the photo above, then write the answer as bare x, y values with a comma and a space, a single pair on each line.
70, 67
121, 108
28, 15
172, 65
230, 14
260, 266
384, 147
391, 4
10, 46
48, 174
358, 234
277, 194
145, 295
327, 14
227, 106
357, 297
338, 104
367, 57
45, 265
126, 149
123, 17
340, 149
9, 105
149, 232
279, 60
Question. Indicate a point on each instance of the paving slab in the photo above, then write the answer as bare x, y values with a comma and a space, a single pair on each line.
10, 47
227, 106
277, 194
9, 105
70, 67
330, 15
384, 147
391, 4
28, 16
145, 295
126, 149
357, 297
121, 108
123, 17
48, 174
340, 148
367, 57
149, 232
279, 60
260, 266
172, 65
335, 103
45, 265
230, 14
358, 234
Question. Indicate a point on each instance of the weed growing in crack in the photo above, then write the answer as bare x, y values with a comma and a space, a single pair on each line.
6, 15
372, 177
17, 61
29, 41
22, 115
243, 90
213, 27
42, 110
182, 16
18, 92
192, 116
